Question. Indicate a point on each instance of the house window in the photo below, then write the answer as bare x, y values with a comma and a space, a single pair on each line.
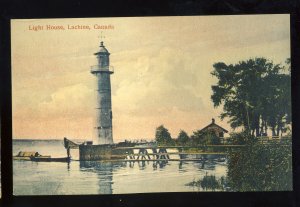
221, 134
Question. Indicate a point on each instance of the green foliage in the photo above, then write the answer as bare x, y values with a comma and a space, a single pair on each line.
162, 136
205, 138
183, 137
209, 182
255, 94
261, 167
240, 138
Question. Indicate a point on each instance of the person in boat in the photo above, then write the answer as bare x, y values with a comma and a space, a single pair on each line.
37, 154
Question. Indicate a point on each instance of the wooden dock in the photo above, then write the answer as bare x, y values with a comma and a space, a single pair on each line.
115, 152
153, 153
160, 153
182, 147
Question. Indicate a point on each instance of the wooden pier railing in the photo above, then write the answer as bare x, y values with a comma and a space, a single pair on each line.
274, 139
159, 153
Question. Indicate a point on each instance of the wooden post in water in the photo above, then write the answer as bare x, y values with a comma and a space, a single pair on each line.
143, 152
154, 151
163, 154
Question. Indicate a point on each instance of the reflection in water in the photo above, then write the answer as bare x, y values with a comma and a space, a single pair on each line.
142, 165
104, 171
161, 164
205, 164
131, 164
82, 178
92, 177
109, 167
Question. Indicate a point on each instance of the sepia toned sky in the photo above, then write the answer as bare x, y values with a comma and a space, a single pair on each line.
162, 71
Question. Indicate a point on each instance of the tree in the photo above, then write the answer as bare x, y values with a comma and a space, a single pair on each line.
205, 138
255, 94
183, 137
162, 135
240, 138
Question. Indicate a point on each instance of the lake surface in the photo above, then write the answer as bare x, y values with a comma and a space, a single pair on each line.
79, 178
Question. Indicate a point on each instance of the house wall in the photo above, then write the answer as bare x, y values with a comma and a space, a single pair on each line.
219, 132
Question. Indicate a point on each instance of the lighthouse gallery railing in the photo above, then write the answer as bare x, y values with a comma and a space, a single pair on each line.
98, 68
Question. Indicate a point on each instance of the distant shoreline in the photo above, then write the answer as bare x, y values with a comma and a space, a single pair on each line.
28, 139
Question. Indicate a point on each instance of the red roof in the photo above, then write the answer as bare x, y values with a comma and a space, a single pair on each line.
214, 125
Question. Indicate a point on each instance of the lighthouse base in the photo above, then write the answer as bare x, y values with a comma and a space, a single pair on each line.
100, 152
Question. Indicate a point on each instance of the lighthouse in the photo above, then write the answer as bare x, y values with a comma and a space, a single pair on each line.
102, 71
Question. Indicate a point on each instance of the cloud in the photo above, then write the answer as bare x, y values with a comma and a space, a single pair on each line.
158, 84
167, 87
162, 71
72, 101
69, 112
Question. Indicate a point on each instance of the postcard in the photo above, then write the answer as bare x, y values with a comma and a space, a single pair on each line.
151, 104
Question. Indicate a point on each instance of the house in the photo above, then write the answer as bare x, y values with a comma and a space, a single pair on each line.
213, 127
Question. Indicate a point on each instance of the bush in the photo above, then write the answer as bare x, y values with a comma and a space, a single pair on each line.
258, 167
183, 137
205, 138
240, 138
209, 182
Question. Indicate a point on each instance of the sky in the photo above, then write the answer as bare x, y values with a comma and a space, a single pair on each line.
162, 69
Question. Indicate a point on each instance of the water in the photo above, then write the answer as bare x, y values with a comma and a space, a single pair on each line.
79, 178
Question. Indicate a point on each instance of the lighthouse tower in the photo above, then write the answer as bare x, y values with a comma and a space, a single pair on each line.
102, 71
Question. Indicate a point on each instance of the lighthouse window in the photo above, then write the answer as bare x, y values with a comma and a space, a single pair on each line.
103, 62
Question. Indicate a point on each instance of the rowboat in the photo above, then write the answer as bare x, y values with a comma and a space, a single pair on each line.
49, 159
27, 156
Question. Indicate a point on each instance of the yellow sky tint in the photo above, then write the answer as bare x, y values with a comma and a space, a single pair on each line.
162, 71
